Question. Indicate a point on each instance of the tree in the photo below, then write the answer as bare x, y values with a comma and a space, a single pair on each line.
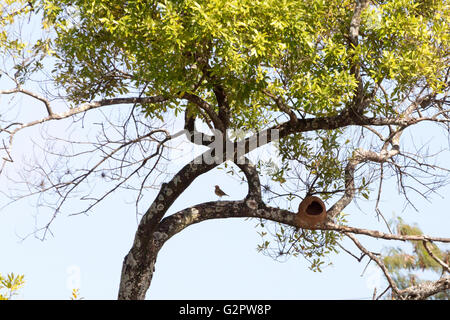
333, 84
405, 268
10, 285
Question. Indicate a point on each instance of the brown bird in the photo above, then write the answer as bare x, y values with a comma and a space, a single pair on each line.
219, 192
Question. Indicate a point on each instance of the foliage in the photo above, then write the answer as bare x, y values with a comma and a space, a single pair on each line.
299, 50
313, 245
76, 295
10, 285
406, 268
294, 48
10, 12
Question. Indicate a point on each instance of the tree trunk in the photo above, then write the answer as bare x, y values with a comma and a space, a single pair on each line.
137, 274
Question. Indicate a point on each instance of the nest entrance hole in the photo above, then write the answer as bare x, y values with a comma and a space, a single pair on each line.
314, 208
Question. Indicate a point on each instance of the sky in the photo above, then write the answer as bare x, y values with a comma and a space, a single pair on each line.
214, 259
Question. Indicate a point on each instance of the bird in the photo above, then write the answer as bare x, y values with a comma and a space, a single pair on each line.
219, 192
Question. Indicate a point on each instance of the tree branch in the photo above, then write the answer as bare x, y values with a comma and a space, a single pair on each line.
176, 222
254, 184
425, 289
355, 23
205, 106
282, 106
377, 261
192, 134
430, 252
31, 94
88, 106
71, 112
358, 157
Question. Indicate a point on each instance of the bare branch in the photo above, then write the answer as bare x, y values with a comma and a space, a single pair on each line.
381, 235
358, 157
90, 106
74, 111
377, 261
430, 252
31, 94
